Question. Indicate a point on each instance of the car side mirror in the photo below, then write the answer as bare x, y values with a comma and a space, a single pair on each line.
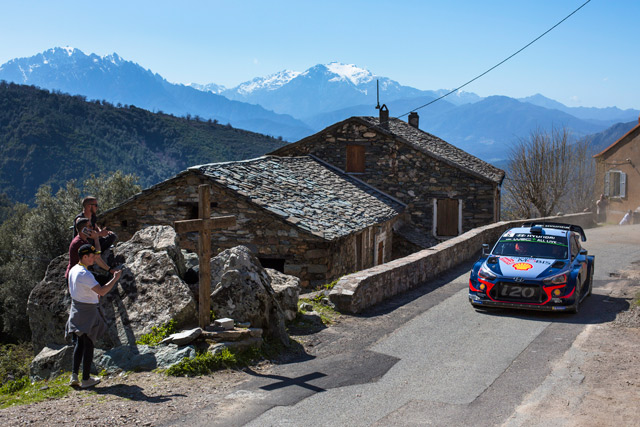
485, 249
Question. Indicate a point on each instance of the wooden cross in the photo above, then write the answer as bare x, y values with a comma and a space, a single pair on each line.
203, 225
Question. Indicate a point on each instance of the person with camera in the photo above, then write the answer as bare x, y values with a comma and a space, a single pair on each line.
90, 211
85, 232
85, 324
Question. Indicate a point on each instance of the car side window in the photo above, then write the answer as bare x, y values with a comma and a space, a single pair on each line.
575, 247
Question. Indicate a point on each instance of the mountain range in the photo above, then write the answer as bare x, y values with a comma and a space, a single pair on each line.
294, 104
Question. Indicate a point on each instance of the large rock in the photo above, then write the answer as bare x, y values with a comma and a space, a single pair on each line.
50, 362
242, 291
287, 290
142, 358
150, 293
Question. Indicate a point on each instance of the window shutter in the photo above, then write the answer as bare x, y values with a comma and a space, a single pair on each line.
606, 184
355, 158
623, 184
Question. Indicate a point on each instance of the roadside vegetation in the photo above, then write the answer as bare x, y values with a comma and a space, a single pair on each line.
547, 173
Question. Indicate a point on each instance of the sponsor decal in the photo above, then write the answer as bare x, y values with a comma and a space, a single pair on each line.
508, 261
522, 266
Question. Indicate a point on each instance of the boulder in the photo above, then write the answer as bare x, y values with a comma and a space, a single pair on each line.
48, 307
150, 293
241, 290
141, 358
287, 289
50, 362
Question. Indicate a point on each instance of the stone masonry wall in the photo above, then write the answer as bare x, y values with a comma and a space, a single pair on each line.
309, 257
405, 173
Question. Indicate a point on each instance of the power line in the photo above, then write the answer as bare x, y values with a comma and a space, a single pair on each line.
498, 64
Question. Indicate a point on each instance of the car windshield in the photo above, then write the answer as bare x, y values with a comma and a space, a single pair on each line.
532, 245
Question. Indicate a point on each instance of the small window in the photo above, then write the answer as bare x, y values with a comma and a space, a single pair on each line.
615, 184
355, 158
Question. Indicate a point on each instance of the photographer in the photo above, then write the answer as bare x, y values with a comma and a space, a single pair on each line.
85, 232
85, 324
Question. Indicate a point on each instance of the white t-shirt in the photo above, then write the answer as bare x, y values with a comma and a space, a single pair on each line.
80, 283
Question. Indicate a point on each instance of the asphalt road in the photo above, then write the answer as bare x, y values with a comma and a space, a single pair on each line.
427, 357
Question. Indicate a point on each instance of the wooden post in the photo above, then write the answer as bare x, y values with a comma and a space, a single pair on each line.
203, 226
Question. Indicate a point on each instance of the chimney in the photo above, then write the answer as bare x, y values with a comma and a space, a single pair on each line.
414, 119
384, 116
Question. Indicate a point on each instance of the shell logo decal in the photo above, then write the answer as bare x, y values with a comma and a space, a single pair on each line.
522, 266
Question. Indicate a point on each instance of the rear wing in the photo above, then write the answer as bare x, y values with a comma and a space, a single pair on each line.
558, 226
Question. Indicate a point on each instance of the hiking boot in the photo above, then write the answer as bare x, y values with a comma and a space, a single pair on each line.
74, 380
89, 383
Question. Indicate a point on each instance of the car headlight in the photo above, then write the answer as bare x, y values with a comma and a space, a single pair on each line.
558, 279
485, 273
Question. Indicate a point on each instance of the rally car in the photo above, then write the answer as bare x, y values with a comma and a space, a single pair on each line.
538, 266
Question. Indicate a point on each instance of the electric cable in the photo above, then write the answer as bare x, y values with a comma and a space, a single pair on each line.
498, 64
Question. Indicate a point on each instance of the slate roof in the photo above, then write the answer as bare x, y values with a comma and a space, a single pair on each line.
436, 147
306, 192
421, 141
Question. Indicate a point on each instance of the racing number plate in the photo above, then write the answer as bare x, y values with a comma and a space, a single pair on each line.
516, 292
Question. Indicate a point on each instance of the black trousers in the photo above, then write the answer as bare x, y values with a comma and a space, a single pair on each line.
83, 353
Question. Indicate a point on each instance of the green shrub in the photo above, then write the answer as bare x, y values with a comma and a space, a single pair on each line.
15, 361
204, 363
158, 333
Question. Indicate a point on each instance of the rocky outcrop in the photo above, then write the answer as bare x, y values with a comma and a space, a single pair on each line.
287, 290
242, 291
150, 293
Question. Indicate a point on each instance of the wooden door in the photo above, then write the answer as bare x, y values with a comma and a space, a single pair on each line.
447, 214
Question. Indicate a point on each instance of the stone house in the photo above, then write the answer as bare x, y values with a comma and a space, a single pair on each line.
299, 215
618, 176
447, 190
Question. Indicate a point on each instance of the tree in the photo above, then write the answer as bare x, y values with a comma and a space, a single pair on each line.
31, 238
546, 172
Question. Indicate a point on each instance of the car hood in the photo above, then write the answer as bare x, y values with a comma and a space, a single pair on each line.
528, 268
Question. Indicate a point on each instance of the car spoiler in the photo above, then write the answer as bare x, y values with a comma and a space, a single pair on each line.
559, 226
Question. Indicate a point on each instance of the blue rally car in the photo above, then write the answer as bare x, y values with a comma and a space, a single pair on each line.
539, 266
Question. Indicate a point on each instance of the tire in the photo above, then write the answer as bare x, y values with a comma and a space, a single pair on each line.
575, 308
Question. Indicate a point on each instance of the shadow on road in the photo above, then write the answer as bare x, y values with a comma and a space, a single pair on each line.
283, 381
134, 392
595, 309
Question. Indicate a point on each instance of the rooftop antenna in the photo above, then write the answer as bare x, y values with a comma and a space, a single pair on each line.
378, 94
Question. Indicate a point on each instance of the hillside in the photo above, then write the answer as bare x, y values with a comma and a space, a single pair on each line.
50, 138
117, 80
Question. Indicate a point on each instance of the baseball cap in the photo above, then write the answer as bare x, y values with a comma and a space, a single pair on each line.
86, 250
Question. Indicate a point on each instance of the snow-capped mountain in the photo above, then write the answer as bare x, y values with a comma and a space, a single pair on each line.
320, 89
119, 81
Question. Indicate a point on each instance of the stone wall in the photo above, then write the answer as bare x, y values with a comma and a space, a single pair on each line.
305, 255
359, 291
405, 173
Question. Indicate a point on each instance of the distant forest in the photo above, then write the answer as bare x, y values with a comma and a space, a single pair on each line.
51, 138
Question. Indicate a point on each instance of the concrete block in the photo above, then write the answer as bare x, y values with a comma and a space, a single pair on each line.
225, 323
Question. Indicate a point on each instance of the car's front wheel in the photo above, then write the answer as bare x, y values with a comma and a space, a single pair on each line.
575, 308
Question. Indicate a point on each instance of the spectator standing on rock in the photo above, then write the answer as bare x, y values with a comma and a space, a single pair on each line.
85, 324
601, 208
90, 210
85, 232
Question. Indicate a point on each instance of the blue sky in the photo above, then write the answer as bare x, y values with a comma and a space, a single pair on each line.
589, 60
